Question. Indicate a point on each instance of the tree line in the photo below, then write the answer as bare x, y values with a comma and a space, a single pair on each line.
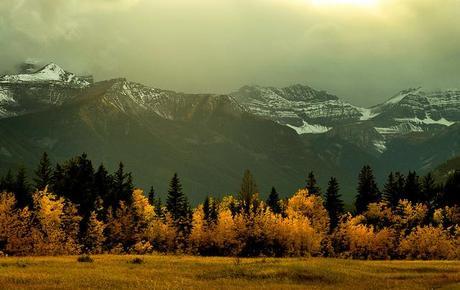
72, 208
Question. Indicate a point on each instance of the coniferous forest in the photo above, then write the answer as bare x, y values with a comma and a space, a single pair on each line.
74, 207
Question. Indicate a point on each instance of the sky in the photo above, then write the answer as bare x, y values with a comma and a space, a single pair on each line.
364, 51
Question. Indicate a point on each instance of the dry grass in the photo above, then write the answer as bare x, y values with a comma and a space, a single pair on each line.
184, 272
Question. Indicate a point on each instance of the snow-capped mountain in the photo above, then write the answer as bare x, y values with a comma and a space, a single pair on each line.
47, 87
416, 110
136, 98
306, 110
51, 73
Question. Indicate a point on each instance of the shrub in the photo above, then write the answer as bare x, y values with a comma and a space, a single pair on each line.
137, 261
85, 259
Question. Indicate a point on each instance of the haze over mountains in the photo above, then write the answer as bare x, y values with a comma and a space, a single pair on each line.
278, 133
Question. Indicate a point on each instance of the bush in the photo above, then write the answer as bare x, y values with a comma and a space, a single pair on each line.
85, 259
137, 261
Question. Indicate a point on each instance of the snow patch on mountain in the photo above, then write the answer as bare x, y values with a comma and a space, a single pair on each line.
367, 114
307, 128
400, 129
380, 146
399, 97
427, 121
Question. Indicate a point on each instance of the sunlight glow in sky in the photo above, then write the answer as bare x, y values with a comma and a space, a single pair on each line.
363, 3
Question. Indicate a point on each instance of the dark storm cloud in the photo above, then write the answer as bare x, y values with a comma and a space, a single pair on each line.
363, 54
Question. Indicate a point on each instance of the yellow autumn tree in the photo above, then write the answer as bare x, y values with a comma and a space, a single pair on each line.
54, 225
429, 243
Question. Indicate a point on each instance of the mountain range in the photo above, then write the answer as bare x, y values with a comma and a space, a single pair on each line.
210, 139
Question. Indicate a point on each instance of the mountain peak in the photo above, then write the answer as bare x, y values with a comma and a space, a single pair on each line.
49, 73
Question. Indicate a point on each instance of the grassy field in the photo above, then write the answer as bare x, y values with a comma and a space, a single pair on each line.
184, 272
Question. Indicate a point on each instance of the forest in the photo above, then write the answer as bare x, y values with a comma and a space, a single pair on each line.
71, 208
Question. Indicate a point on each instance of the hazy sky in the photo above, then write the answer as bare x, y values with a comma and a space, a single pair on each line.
364, 52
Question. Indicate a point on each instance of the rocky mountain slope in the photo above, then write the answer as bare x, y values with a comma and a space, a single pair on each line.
210, 139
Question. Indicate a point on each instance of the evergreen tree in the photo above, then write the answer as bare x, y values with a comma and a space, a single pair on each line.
122, 186
247, 191
78, 184
176, 203
451, 195
152, 196
158, 207
57, 180
312, 185
391, 192
7, 182
333, 204
44, 173
429, 189
273, 201
368, 191
103, 184
207, 206
412, 187
22, 190
400, 180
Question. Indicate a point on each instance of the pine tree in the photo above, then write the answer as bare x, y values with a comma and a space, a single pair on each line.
21, 189
176, 203
451, 195
391, 193
7, 182
273, 201
103, 185
412, 187
122, 186
44, 173
158, 208
429, 189
207, 209
368, 191
333, 204
57, 180
312, 185
247, 191
152, 196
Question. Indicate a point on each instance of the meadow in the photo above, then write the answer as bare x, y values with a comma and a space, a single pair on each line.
187, 272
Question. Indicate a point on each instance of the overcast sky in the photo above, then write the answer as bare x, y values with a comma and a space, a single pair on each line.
363, 53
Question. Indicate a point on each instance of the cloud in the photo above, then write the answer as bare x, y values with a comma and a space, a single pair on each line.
365, 55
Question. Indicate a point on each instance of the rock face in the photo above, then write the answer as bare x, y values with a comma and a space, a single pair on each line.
301, 107
278, 133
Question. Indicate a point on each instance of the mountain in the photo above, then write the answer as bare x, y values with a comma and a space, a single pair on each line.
302, 108
210, 139
48, 87
309, 111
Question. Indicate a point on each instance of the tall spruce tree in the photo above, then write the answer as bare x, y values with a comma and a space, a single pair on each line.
176, 203
334, 203
273, 201
451, 194
429, 189
7, 182
43, 173
312, 185
412, 187
122, 186
22, 189
152, 196
368, 191
247, 191
103, 184
391, 192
